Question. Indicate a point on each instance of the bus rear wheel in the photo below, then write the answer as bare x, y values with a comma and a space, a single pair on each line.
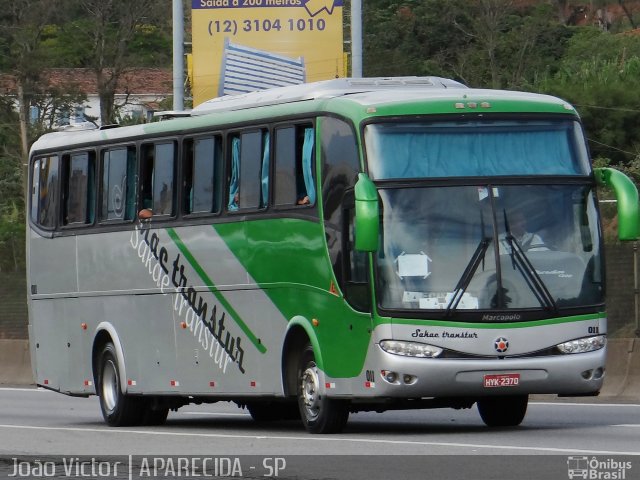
319, 414
117, 408
506, 411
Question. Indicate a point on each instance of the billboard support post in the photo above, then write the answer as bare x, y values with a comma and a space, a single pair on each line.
356, 38
178, 56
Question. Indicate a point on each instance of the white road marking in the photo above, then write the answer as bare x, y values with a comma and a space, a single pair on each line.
560, 404
317, 438
25, 389
216, 414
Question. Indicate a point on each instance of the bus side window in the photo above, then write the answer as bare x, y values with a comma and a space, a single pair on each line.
146, 176
264, 169
117, 184
157, 178
202, 170
35, 190
78, 188
44, 200
234, 177
294, 155
248, 180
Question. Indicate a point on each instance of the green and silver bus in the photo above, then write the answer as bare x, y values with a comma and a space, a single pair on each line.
315, 250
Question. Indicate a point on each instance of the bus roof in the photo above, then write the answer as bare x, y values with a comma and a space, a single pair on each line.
322, 90
358, 99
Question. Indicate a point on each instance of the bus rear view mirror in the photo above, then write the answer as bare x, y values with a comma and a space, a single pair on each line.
367, 215
627, 198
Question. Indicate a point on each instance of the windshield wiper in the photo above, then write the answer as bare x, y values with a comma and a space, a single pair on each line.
520, 261
470, 269
467, 275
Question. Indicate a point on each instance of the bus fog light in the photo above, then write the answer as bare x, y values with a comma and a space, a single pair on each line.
587, 374
391, 377
598, 373
410, 349
408, 379
582, 345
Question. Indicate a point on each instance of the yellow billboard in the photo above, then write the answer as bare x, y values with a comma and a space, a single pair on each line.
247, 45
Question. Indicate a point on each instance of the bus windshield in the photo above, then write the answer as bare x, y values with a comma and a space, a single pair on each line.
475, 148
489, 247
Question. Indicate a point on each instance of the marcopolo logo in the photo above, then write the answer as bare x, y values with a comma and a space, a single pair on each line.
597, 469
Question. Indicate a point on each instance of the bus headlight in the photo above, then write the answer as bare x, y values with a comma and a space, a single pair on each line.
410, 349
582, 345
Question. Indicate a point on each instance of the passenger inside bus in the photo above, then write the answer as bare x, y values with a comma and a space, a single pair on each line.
516, 225
304, 174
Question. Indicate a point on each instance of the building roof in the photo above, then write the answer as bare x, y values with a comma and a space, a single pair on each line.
139, 81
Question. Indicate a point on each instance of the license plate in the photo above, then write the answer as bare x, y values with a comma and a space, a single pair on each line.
502, 380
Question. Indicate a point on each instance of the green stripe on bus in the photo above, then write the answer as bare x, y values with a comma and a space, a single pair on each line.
211, 286
489, 326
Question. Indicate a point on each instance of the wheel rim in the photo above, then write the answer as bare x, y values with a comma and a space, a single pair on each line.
310, 392
110, 385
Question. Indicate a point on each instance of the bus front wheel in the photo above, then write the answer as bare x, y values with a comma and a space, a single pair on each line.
117, 408
319, 414
507, 411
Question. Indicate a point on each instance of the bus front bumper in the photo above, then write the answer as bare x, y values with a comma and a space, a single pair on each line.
394, 376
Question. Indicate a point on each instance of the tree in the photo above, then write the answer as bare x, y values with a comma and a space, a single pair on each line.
113, 34
411, 37
600, 75
21, 27
483, 43
11, 191
490, 19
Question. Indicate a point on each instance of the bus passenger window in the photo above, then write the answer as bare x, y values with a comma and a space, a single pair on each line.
202, 170
234, 178
118, 177
294, 155
44, 191
157, 178
35, 190
78, 188
163, 179
264, 169
249, 173
146, 177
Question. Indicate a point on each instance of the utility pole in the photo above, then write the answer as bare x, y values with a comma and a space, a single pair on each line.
178, 56
356, 38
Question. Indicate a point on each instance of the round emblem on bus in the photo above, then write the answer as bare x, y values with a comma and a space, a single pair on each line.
501, 345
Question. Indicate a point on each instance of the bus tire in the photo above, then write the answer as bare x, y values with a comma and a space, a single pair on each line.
118, 409
319, 414
506, 411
